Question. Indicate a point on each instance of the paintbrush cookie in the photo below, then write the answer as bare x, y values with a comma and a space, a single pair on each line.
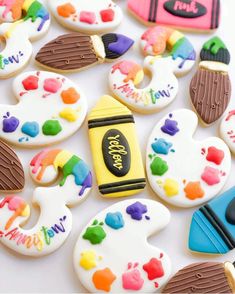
212, 228
115, 149
29, 20
89, 16
194, 15
227, 129
181, 170
204, 277
50, 108
55, 220
210, 88
12, 177
104, 264
75, 52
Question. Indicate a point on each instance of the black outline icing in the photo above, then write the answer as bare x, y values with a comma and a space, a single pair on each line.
109, 121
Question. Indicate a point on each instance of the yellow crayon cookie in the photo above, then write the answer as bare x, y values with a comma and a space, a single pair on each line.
116, 153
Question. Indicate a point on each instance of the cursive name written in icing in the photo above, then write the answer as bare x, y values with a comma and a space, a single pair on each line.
147, 97
13, 59
187, 7
39, 239
116, 150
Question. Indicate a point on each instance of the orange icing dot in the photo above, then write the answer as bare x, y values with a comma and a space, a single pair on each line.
70, 96
193, 190
66, 10
103, 279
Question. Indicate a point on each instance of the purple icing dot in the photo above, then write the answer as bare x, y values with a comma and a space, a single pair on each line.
137, 210
10, 124
122, 44
170, 127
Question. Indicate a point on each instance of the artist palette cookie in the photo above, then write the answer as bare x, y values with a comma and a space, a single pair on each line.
210, 88
29, 21
104, 264
204, 277
75, 52
12, 177
55, 220
181, 170
115, 149
89, 16
195, 15
227, 129
50, 108
212, 229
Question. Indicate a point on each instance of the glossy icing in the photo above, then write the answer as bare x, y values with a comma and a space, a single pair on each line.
55, 220
181, 170
227, 130
104, 264
50, 108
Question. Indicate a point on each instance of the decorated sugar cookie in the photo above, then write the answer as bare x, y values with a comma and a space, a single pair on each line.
112, 253
195, 15
212, 228
115, 149
227, 129
204, 277
210, 88
90, 16
12, 177
29, 20
55, 220
181, 170
75, 52
50, 108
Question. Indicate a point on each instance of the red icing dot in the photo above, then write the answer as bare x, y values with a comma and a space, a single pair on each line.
215, 155
52, 85
30, 83
154, 269
107, 15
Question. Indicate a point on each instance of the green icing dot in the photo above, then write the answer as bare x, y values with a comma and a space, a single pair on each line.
159, 167
95, 234
51, 128
214, 45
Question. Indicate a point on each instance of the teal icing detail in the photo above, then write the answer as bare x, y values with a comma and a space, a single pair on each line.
30, 129
114, 220
161, 146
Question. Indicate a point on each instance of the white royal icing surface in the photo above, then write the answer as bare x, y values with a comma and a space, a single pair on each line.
227, 129
55, 220
181, 170
75, 21
39, 105
161, 91
121, 260
18, 36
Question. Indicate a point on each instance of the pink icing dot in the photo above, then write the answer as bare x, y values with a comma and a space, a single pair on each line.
211, 176
88, 17
132, 280
124, 66
15, 202
52, 85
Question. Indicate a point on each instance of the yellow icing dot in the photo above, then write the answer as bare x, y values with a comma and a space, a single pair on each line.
69, 114
26, 211
139, 77
171, 187
88, 260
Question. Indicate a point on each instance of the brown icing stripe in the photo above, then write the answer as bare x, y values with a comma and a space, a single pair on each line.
207, 277
210, 92
11, 171
68, 52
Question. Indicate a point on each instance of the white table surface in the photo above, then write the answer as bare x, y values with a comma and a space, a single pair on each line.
55, 273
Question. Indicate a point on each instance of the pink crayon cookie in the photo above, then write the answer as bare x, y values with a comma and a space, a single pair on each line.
201, 15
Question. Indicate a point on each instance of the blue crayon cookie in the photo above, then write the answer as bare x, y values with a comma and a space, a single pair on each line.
213, 226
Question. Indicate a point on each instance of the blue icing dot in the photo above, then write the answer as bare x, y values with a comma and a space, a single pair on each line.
161, 146
30, 128
114, 220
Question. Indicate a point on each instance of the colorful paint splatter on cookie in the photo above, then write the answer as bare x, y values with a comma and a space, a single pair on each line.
50, 108
89, 16
182, 171
103, 264
55, 220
